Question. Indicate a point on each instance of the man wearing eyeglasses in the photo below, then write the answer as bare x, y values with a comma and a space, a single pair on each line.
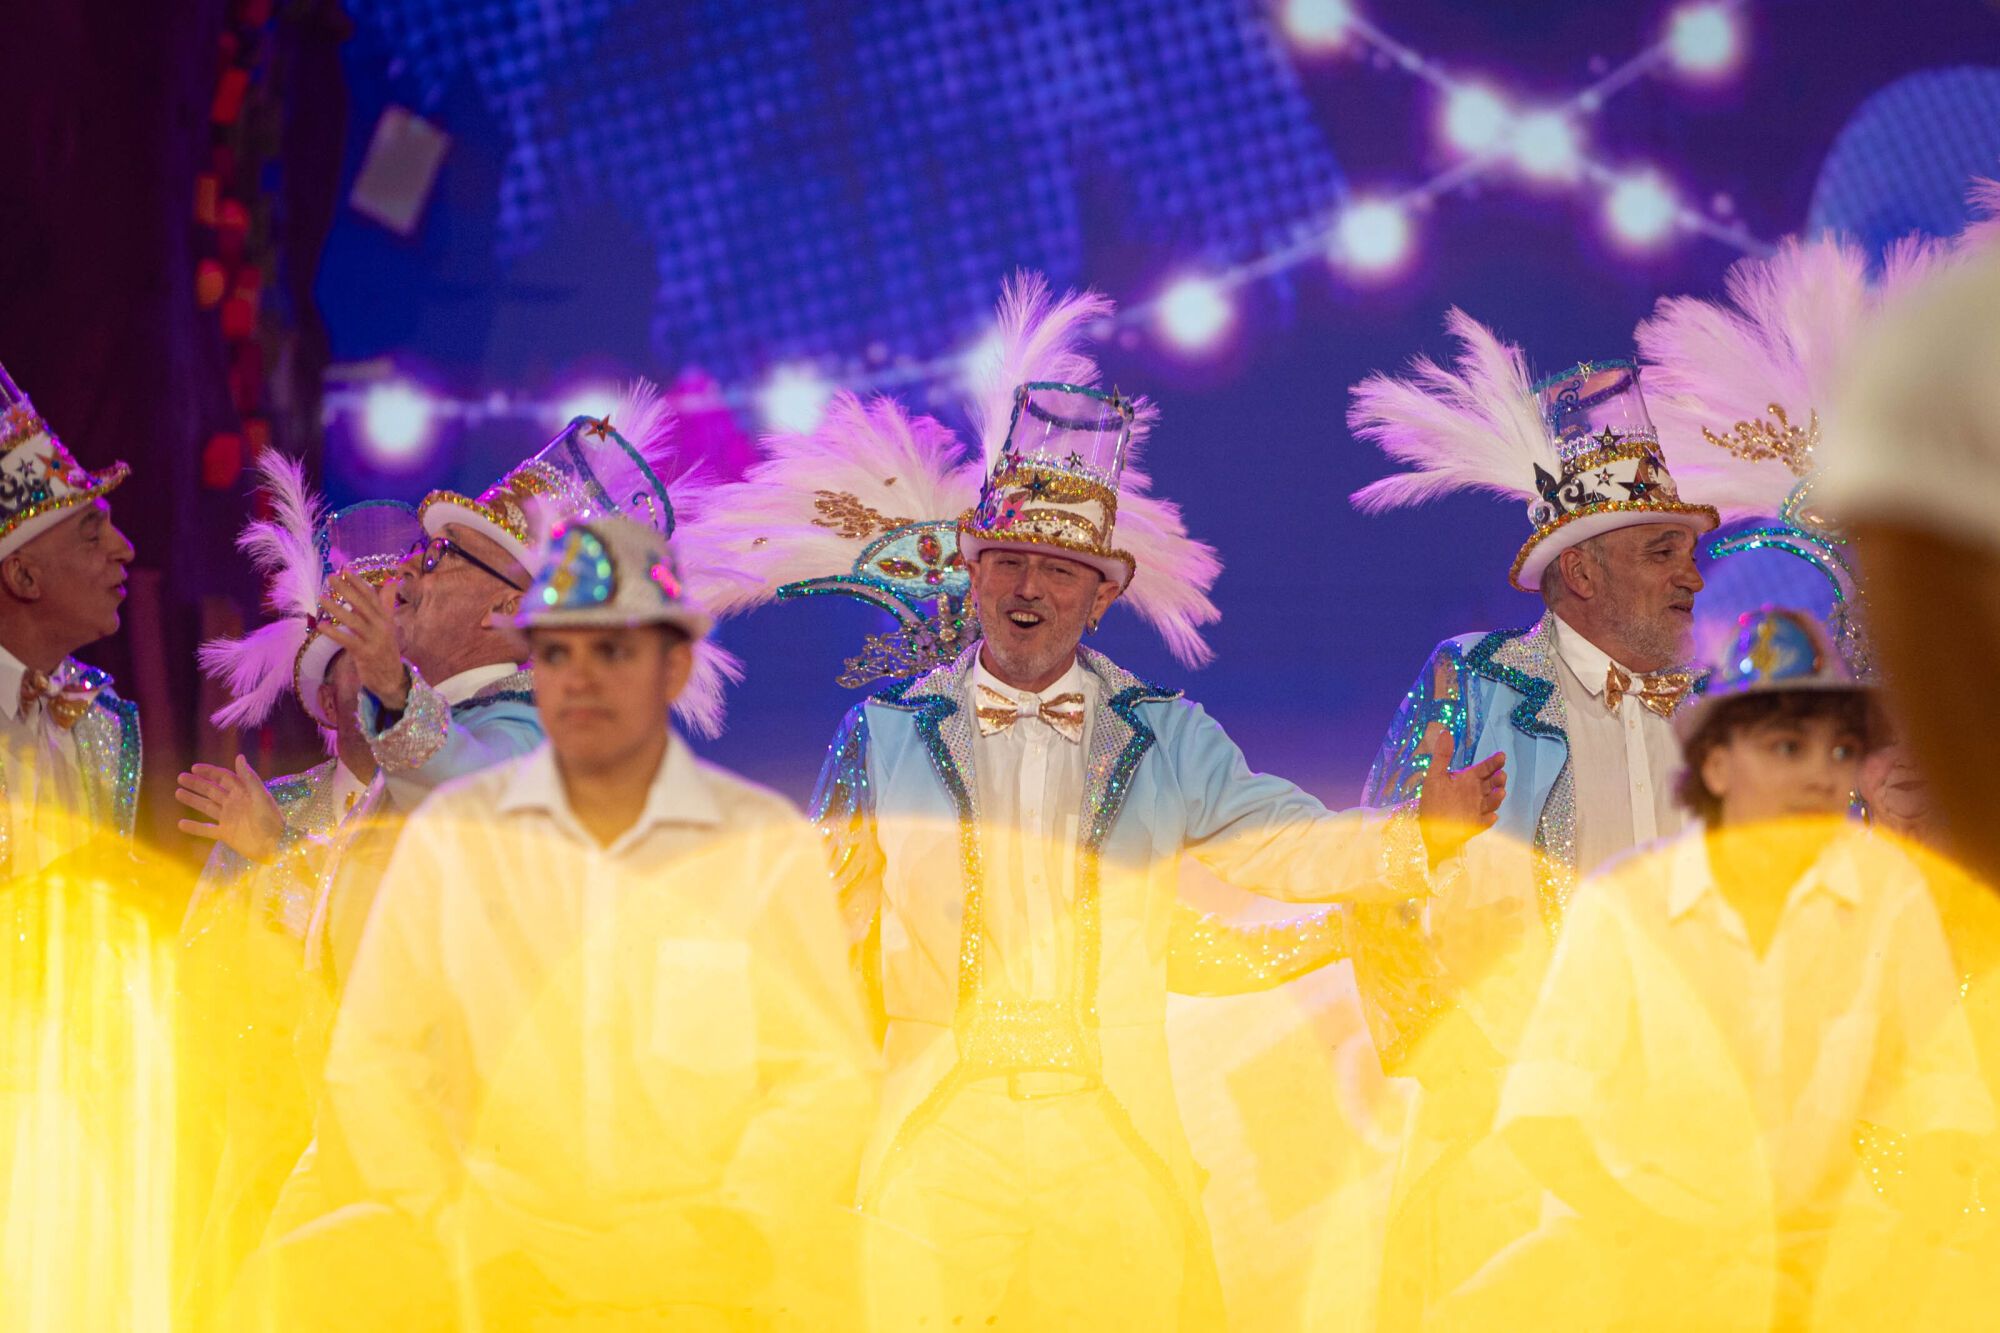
444, 692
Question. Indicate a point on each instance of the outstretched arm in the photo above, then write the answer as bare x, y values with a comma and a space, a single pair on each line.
1208, 954
1264, 834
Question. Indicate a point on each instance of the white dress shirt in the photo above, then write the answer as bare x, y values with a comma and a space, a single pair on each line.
47, 817
1656, 999
578, 1040
1623, 760
457, 689
1030, 780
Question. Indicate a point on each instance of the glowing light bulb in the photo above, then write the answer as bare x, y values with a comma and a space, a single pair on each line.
1546, 146
1194, 313
590, 400
1703, 40
1640, 210
1475, 119
1317, 25
396, 423
1372, 237
793, 399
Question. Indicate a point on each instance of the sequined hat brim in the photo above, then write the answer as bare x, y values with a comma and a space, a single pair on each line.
685, 619
1115, 565
37, 519
1580, 525
442, 508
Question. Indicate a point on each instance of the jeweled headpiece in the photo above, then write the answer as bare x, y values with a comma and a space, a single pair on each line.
1054, 487
40, 483
887, 508
1578, 447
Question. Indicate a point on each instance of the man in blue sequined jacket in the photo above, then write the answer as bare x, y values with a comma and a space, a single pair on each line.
1007, 830
1578, 703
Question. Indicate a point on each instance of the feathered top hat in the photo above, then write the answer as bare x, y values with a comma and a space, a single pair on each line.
1578, 447
1745, 382
39, 481
590, 470
298, 549
887, 508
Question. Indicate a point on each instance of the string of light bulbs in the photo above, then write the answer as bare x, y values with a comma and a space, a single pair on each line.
1369, 238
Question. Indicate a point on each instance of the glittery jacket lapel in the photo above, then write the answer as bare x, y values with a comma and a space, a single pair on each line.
1526, 662
108, 748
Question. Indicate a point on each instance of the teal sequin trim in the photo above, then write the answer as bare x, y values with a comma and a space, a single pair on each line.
125, 789
1534, 693
479, 701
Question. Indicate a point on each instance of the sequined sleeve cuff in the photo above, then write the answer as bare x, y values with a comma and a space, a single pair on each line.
416, 736
1406, 862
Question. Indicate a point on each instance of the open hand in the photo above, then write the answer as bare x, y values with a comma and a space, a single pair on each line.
362, 620
242, 816
1457, 803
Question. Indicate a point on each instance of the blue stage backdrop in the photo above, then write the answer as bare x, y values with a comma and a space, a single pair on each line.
757, 200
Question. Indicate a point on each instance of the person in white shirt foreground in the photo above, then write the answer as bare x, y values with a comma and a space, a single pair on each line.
1747, 1034
601, 1057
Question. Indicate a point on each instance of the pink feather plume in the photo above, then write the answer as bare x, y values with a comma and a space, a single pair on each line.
256, 669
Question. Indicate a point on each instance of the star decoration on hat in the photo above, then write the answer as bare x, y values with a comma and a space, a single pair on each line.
1607, 438
1764, 650
1074, 461
599, 427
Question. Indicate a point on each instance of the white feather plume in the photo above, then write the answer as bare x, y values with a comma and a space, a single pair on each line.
899, 466
1983, 232
256, 669
284, 547
647, 421
1473, 426
649, 424
1170, 586
1038, 338
702, 705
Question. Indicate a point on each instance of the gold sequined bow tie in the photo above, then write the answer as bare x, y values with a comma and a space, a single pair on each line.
65, 703
1661, 691
1064, 714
